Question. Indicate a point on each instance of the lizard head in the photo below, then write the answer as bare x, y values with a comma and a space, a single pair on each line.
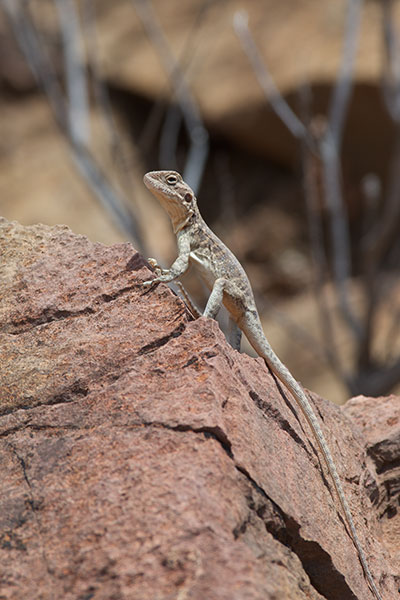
175, 196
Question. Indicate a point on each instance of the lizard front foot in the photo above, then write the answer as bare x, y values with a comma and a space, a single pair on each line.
155, 266
161, 279
159, 271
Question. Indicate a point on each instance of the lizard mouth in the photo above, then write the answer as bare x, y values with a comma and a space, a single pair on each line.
157, 186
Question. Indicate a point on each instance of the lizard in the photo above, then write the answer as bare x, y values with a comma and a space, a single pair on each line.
223, 274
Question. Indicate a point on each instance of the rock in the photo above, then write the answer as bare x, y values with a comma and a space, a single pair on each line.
379, 421
142, 457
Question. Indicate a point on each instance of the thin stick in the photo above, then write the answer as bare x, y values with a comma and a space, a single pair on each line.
332, 181
320, 262
391, 64
102, 97
43, 70
75, 73
330, 149
267, 84
198, 135
344, 83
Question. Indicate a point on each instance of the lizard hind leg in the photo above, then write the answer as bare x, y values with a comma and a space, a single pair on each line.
234, 334
211, 310
214, 301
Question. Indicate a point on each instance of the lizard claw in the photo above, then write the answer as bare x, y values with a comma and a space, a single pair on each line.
151, 282
152, 262
155, 266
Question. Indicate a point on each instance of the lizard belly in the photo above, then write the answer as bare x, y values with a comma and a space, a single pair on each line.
203, 269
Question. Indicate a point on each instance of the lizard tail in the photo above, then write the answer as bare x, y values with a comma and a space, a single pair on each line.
251, 326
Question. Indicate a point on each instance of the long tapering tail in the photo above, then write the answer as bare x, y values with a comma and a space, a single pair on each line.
252, 328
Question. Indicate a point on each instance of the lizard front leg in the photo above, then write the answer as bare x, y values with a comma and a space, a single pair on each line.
177, 269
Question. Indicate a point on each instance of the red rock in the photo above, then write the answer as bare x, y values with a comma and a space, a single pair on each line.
143, 458
379, 422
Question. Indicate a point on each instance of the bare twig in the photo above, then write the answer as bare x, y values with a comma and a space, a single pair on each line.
100, 89
371, 188
36, 58
344, 83
107, 196
370, 280
186, 56
102, 95
377, 242
198, 135
267, 84
172, 122
169, 137
75, 72
330, 150
332, 182
311, 166
327, 146
391, 65
43, 70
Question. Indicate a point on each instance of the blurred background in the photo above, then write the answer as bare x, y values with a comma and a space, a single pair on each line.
284, 117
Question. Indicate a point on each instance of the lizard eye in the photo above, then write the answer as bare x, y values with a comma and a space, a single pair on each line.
172, 179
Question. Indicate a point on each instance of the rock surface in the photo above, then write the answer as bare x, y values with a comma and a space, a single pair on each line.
379, 421
143, 458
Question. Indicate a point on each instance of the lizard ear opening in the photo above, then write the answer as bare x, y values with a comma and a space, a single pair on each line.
188, 197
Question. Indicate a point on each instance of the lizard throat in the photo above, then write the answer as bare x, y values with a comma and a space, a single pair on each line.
179, 215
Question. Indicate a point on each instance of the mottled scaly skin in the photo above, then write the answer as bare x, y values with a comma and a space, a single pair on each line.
229, 285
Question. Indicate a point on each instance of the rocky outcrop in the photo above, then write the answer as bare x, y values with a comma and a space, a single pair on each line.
142, 457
